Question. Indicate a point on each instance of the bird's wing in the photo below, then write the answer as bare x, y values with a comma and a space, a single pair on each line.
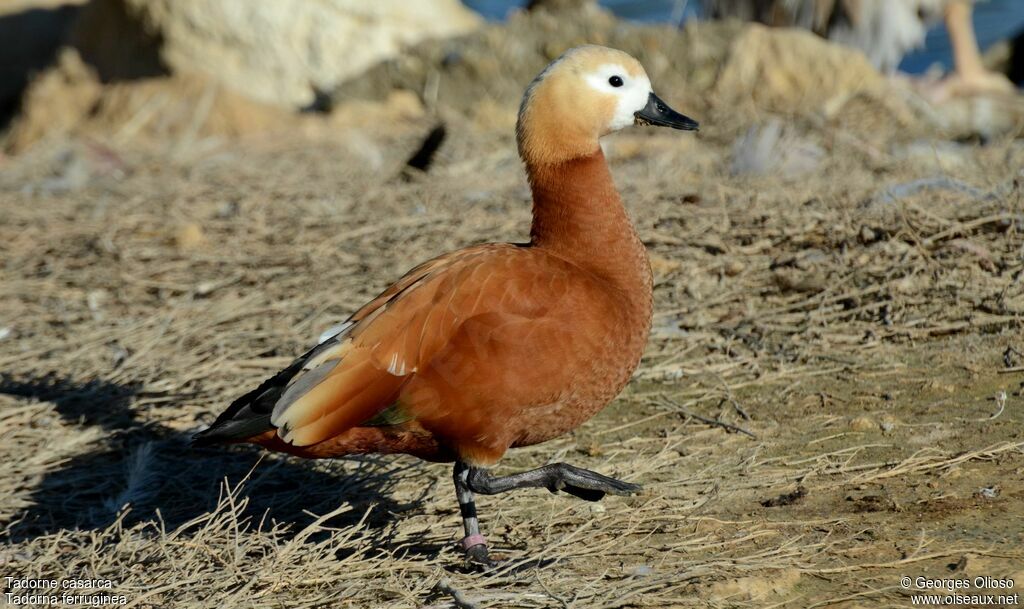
353, 378
317, 379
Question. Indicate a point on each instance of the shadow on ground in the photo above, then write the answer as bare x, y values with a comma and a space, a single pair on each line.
155, 470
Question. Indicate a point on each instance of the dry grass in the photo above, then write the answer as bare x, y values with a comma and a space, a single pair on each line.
854, 320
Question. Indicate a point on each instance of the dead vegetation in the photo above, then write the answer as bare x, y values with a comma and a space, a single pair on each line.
859, 318
855, 322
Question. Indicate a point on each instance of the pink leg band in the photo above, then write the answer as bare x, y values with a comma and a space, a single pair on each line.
473, 540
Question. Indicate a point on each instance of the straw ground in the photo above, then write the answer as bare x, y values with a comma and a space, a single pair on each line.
862, 323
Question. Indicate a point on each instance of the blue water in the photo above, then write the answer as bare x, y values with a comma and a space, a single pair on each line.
994, 20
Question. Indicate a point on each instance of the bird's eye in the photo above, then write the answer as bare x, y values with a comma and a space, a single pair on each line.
615, 81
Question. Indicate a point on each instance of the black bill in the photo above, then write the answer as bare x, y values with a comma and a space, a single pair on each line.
657, 112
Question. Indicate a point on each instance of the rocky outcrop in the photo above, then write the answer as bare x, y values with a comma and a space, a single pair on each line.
177, 111
714, 71
69, 98
273, 51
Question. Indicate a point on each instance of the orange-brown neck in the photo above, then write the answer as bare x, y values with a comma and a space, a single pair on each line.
578, 215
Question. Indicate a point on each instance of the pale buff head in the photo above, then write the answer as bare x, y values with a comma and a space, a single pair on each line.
586, 93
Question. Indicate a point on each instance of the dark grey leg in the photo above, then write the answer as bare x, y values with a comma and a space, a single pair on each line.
576, 481
474, 544
580, 482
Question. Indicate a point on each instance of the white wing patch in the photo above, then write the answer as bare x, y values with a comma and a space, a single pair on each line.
333, 331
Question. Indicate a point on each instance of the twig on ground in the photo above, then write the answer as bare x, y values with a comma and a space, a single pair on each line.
727, 426
445, 586
1001, 402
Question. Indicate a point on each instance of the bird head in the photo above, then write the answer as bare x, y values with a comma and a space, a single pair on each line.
586, 93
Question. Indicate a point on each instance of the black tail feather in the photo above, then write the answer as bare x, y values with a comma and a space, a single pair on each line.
232, 431
249, 415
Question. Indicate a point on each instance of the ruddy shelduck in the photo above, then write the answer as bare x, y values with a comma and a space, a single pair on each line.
497, 345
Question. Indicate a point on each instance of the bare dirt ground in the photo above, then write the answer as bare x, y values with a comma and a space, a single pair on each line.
861, 320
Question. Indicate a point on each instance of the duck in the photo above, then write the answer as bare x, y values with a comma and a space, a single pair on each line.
884, 30
499, 345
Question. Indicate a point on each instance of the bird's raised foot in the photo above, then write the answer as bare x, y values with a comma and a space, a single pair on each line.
589, 485
579, 482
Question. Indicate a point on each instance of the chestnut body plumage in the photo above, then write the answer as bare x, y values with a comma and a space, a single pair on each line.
497, 345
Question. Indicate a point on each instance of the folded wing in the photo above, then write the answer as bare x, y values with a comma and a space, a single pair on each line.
356, 377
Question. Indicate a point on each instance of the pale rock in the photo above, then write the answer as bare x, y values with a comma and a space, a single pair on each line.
733, 268
864, 424
889, 422
770, 66
70, 98
190, 236
662, 267
273, 51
